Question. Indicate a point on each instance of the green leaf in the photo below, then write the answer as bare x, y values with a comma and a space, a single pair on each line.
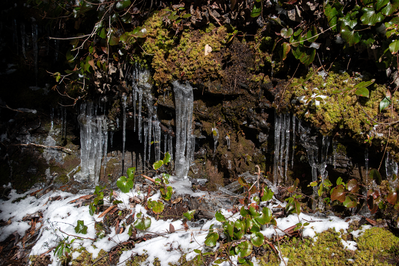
350, 202
130, 173
338, 193
286, 33
244, 249
157, 165
265, 217
92, 209
220, 217
332, 15
375, 175
351, 37
389, 9
253, 211
81, 228
167, 158
257, 239
256, 10
122, 4
364, 84
124, 184
211, 239
168, 194
244, 212
189, 215
142, 223
364, 92
385, 103
313, 184
239, 225
394, 47
380, 4
267, 194
186, 16
339, 181
349, 20
370, 17
230, 228
156, 206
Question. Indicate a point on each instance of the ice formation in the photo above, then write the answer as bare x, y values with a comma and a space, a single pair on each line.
184, 114
282, 140
93, 142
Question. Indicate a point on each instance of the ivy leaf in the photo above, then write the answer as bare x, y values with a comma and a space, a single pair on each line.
142, 223
244, 249
389, 9
338, 193
166, 195
220, 217
124, 184
167, 158
385, 103
394, 47
81, 228
350, 202
380, 4
286, 33
257, 239
189, 215
230, 228
123, 4
350, 19
332, 15
351, 37
156, 206
211, 239
267, 194
375, 175
256, 10
370, 17
157, 165
265, 217
130, 173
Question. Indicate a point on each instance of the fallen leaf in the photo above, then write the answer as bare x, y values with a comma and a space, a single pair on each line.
208, 49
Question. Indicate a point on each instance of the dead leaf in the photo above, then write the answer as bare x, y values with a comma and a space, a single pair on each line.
171, 228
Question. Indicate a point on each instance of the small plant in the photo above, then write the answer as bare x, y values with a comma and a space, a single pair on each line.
125, 184
63, 249
243, 234
98, 200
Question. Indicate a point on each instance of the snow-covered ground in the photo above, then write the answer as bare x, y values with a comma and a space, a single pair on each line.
60, 214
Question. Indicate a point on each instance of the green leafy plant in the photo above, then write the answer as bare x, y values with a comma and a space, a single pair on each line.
142, 223
63, 249
125, 184
98, 200
162, 181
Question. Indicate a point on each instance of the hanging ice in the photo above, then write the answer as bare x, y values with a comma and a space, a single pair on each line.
282, 136
215, 135
124, 97
184, 114
93, 136
157, 140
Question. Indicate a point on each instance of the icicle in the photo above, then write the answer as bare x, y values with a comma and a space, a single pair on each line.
287, 143
64, 122
282, 144
165, 143
124, 97
145, 143
150, 112
335, 147
93, 134
184, 113
23, 40
366, 161
228, 142
215, 135
170, 146
293, 140
192, 149
277, 128
52, 119
134, 96
140, 92
157, 140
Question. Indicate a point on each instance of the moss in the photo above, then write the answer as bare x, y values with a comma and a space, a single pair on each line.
85, 259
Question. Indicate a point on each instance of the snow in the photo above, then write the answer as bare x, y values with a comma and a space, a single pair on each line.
60, 218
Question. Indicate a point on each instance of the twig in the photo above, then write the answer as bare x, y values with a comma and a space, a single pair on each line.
149, 178
44, 146
69, 38
279, 249
106, 211
314, 35
17, 110
92, 239
385, 150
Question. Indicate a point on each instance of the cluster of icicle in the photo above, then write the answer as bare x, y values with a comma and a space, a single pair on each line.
284, 144
149, 129
93, 141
